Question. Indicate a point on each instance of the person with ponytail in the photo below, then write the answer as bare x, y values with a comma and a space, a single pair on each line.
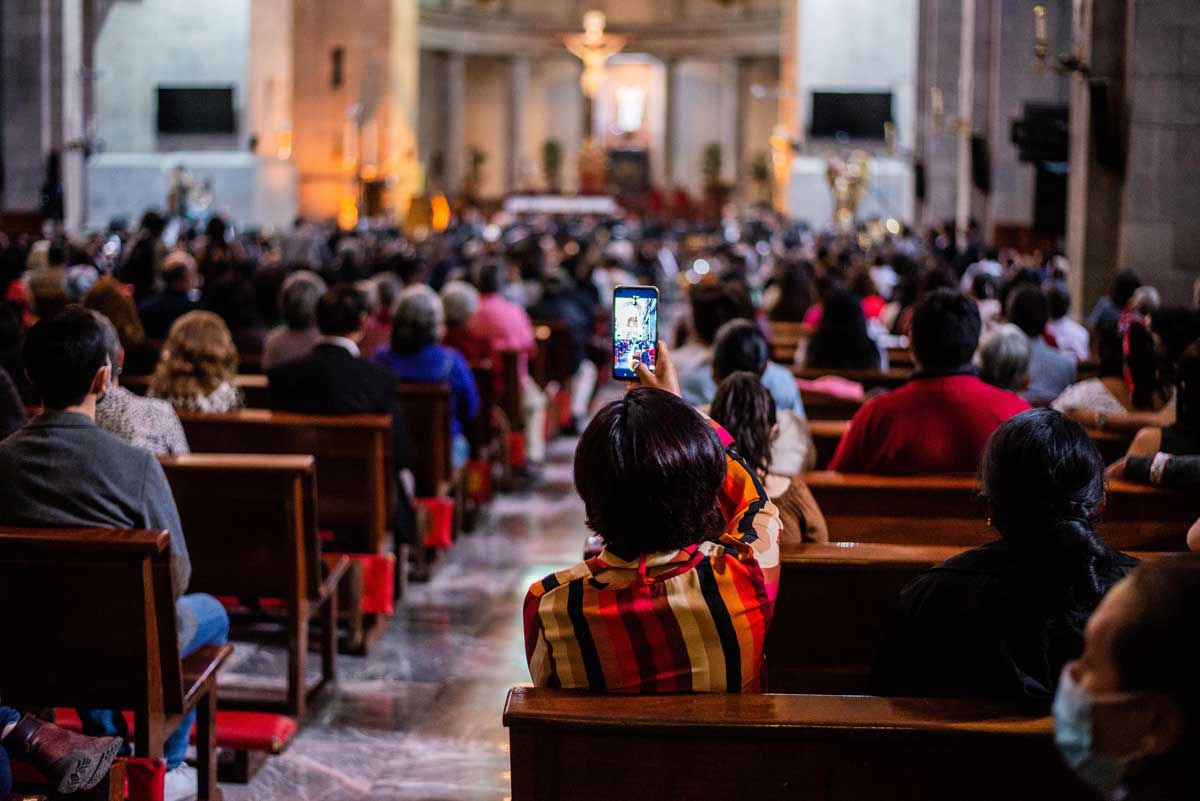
1181, 438
1000, 621
746, 410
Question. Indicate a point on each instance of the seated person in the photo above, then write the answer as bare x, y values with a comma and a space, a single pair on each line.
111, 298
745, 409
842, 341
691, 539
1004, 358
712, 305
1140, 395
940, 421
69, 761
1181, 437
1126, 712
459, 301
142, 422
12, 410
298, 335
1105, 318
62, 470
564, 301
506, 326
1000, 621
1069, 336
198, 366
1050, 370
416, 355
700, 385
333, 379
179, 295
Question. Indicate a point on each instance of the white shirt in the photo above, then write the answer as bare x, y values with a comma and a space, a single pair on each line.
1071, 337
342, 342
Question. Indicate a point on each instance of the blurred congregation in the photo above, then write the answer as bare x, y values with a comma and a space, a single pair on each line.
319, 478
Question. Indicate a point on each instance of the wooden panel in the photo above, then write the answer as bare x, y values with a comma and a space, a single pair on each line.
253, 387
819, 406
870, 379
426, 409
700, 747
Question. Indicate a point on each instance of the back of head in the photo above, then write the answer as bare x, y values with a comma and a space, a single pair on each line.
1043, 480
1154, 650
1004, 358
945, 330
492, 278
648, 468
1123, 287
301, 291
340, 311
747, 411
62, 356
1142, 367
406, 264
740, 346
1145, 300
1188, 379
1029, 310
1059, 299
459, 302
417, 322
197, 357
112, 342
108, 296
712, 307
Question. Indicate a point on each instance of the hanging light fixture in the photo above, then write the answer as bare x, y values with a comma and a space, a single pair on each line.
594, 48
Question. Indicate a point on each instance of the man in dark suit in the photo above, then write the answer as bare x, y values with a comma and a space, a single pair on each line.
334, 379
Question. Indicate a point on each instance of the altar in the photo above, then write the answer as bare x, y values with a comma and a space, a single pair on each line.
890, 191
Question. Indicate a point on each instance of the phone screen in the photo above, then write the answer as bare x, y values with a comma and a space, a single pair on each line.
635, 329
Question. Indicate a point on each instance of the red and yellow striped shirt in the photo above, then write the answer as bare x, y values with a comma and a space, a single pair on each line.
694, 620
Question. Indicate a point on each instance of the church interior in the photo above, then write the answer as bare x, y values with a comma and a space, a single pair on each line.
531, 400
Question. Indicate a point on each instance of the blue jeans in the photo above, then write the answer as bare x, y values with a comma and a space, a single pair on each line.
212, 628
7, 715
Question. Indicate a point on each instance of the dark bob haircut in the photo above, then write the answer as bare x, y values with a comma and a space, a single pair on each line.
648, 468
740, 346
945, 330
62, 355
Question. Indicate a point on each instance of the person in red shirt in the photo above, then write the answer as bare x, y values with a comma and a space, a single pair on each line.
940, 421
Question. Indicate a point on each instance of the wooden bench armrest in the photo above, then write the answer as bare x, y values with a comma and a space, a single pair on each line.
332, 573
200, 671
86, 539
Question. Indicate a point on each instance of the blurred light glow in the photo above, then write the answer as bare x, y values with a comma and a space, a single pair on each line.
893, 226
700, 267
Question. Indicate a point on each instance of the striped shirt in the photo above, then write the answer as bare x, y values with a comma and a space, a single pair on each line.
693, 620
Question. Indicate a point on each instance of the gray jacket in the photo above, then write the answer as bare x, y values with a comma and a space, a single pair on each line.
62, 469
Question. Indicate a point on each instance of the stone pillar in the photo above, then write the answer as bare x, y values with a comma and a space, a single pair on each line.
74, 115
670, 126
789, 127
519, 89
404, 59
455, 100
731, 122
966, 116
1094, 188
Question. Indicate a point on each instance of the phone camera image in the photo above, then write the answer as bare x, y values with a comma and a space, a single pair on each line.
635, 331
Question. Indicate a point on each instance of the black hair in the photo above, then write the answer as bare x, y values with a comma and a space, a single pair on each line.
984, 286
1043, 480
1154, 650
1142, 365
340, 311
56, 254
648, 468
740, 345
407, 265
747, 411
945, 330
492, 278
841, 341
1059, 298
1029, 310
1123, 286
1187, 404
62, 355
794, 281
232, 297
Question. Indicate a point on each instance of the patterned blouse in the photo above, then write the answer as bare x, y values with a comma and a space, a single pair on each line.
225, 398
142, 422
693, 620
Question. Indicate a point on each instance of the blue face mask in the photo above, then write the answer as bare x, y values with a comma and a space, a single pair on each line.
1075, 738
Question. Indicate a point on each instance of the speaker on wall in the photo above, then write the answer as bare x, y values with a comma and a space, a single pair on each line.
981, 164
1106, 123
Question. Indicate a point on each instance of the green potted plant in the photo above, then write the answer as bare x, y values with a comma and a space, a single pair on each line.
552, 165
760, 178
716, 192
476, 158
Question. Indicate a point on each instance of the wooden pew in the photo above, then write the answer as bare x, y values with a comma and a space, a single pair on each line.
552, 361
934, 510
251, 524
426, 409
581, 747
834, 607
96, 629
253, 387
870, 379
353, 463
819, 406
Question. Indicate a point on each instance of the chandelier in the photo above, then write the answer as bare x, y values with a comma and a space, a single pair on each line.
594, 48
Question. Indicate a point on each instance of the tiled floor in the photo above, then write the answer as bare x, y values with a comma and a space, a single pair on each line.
420, 717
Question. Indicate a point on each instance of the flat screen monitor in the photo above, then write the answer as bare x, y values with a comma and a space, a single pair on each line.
195, 110
857, 115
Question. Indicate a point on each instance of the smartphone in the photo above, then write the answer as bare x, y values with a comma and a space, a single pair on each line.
635, 329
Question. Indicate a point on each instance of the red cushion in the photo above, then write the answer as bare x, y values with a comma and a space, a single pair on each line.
379, 580
239, 731
441, 522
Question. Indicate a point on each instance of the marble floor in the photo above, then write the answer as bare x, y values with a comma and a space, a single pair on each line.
419, 718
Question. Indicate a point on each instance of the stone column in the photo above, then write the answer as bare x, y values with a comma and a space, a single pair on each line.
74, 115
455, 99
670, 127
789, 126
1093, 188
731, 123
519, 94
966, 116
404, 59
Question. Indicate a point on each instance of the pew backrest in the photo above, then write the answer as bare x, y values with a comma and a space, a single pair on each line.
870, 379
92, 619
253, 387
251, 523
352, 452
426, 410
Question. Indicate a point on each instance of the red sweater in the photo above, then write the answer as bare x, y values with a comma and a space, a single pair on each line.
928, 426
